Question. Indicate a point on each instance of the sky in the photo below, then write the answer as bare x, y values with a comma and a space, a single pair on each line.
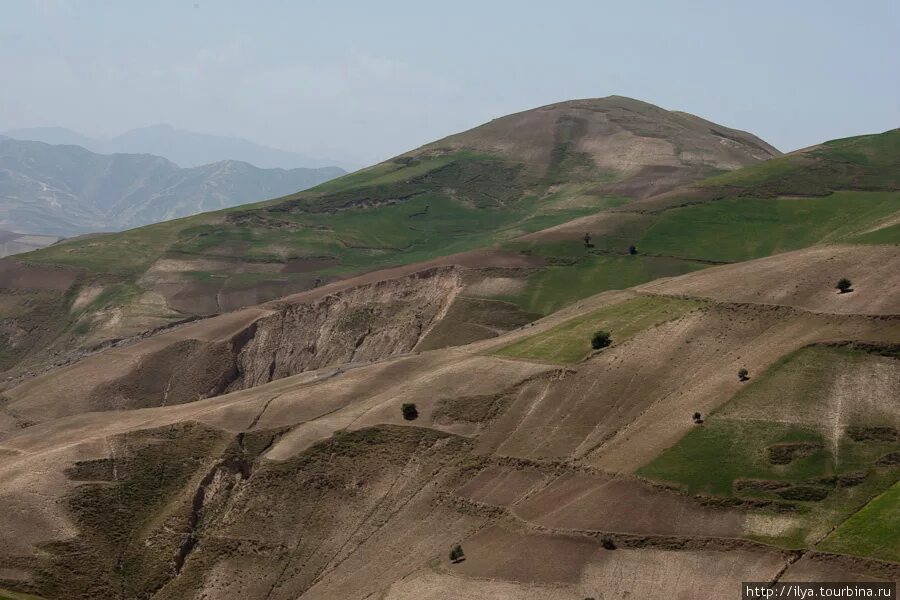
361, 81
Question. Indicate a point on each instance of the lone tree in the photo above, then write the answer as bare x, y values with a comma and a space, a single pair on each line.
601, 339
844, 285
587, 241
409, 411
632, 250
743, 374
698, 418
456, 553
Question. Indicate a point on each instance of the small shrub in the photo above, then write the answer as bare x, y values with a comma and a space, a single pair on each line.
844, 285
608, 542
601, 339
632, 250
456, 553
587, 241
743, 374
410, 412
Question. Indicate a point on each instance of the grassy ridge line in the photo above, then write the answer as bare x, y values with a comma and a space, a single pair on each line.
864, 162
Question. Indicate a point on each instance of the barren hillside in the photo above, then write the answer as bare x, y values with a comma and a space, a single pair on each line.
559, 478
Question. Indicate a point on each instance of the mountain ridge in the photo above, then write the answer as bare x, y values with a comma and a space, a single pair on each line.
185, 148
67, 190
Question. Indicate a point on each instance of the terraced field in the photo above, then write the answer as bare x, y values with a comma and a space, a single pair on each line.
814, 429
570, 342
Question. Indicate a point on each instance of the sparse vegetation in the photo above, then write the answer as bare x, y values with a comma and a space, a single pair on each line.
600, 339
844, 285
410, 412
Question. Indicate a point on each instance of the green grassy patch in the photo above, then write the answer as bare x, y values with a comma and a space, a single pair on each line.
711, 457
396, 170
557, 286
756, 174
863, 162
740, 229
127, 253
873, 531
884, 235
571, 341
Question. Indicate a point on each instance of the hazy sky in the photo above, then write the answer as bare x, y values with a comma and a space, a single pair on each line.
364, 80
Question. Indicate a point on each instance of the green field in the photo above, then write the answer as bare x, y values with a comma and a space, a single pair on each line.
740, 229
128, 253
873, 531
557, 286
711, 457
571, 341
884, 235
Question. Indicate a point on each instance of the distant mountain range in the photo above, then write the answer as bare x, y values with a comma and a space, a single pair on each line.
16, 243
66, 190
184, 148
